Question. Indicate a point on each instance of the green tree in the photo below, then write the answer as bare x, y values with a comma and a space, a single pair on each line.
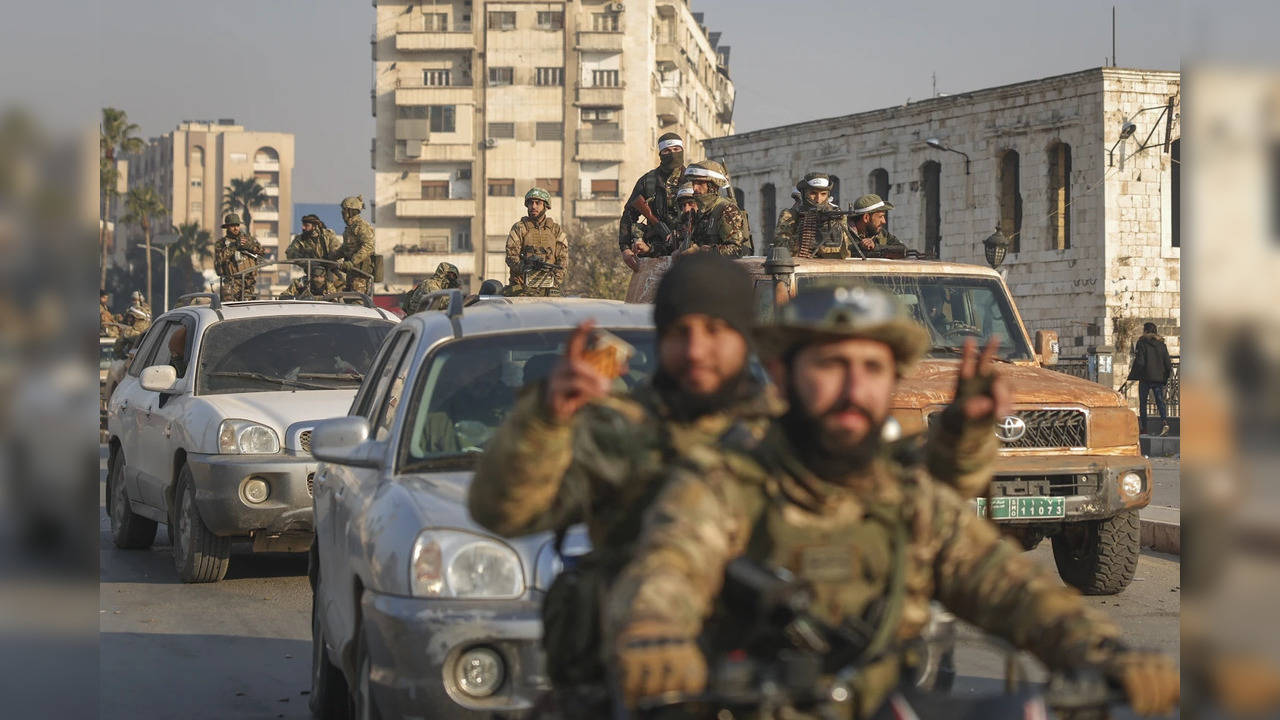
115, 136
595, 268
193, 245
142, 206
243, 195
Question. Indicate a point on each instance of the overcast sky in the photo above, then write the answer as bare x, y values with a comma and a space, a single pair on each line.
303, 66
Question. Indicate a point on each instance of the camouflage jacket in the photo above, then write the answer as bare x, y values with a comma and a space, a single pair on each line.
719, 227
323, 244
301, 289
883, 239
357, 245
543, 239
832, 238
107, 326
660, 193
875, 548
233, 256
412, 300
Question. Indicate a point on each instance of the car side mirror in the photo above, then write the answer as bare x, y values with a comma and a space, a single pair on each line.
1047, 347
158, 378
345, 441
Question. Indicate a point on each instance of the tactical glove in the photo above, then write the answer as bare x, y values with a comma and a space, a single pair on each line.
654, 659
1149, 679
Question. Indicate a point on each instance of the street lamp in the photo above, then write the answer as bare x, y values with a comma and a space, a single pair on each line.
164, 241
995, 247
937, 144
1127, 128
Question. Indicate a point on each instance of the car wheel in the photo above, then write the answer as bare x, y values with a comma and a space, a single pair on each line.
198, 555
363, 705
330, 699
129, 530
1099, 557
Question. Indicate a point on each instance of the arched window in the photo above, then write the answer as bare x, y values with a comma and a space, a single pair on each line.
739, 196
879, 183
1010, 187
197, 157
768, 211
1175, 193
266, 155
930, 184
1060, 196
835, 190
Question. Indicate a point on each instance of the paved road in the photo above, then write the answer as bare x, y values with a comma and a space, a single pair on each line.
1166, 482
241, 648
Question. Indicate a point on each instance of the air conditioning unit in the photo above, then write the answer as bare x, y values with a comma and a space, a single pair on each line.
490, 142
615, 7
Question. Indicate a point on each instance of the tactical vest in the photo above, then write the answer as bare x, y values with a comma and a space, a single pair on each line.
539, 240
706, 228
819, 236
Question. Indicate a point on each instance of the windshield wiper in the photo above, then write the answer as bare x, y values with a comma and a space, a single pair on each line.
252, 375
959, 352
345, 375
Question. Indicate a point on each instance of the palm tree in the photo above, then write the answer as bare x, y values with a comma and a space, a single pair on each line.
115, 135
244, 194
142, 205
193, 244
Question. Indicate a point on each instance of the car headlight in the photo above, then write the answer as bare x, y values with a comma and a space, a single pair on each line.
247, 437
452, 564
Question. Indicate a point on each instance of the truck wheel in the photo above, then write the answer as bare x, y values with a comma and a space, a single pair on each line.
330, 699
129, 530
363, 704
1099, 557
198, 555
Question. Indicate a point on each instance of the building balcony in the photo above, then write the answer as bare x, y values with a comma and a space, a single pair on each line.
667, 8
435, 95
272, 166
669, 109
606, 207
450, 208
667, 55
601, 151
271, 191
601, 96
266, 215
429, 41
435, 152
600, 41
422, 263
408, 129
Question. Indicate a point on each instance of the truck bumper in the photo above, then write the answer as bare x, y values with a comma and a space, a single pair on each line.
1090, 484
219, 480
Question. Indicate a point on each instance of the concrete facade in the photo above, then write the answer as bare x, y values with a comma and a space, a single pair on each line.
477, 101
1097, 254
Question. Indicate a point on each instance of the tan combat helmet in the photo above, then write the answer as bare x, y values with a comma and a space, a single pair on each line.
707, 170
353, 202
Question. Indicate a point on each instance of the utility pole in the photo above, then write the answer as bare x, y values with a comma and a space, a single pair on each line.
935, 84
1113, 36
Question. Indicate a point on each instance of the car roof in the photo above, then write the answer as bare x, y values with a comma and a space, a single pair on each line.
282, 308
498, 316
873, 266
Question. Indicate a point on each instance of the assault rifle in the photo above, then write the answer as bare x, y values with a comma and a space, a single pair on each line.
640, 205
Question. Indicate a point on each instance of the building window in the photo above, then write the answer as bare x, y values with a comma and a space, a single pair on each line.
502, 130
502, 187
878, 182
239, 157
436, 78
1175, 192
266, 155
549, 77
768, 211
552, 185
605, 78
197, 183
931, 186
501, 76
550, 20
411, 112
502, 20
433, 241
739, 197
549, 131
604, 22
197, 156
835, 190
1010, 186
442, 118
604, 188
1060, 196
597, 115
436, 22
435, 189
601, 132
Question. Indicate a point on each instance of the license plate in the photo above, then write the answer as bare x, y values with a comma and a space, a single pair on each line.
1023, 508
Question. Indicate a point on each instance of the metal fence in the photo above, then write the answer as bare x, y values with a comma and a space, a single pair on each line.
1087, 369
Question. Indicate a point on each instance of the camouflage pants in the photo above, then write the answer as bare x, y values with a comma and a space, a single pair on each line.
239, 288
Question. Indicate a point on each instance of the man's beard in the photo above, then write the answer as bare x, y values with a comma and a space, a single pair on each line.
671, 161
686, 406
818, 454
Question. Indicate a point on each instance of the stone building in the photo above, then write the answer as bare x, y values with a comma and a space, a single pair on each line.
476, 102
1093, 217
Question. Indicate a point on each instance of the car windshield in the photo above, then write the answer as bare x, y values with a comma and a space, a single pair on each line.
950, 307
288, 352
106, 354
470, 385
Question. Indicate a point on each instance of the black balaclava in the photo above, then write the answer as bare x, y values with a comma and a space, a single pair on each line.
669, 163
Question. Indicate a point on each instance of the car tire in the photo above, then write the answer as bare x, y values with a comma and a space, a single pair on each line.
330, 699
199, 556
1099, 557
363, 705
129, 530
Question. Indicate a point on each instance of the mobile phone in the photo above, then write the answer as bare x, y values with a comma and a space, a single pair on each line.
608, 353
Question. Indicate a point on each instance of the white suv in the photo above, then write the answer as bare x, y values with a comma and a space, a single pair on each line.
210, 427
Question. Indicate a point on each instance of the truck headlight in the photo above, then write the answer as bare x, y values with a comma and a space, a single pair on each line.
1131, 485
453, 564
247, 437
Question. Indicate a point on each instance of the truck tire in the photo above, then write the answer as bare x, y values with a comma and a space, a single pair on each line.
129, 530
199, 556
1099, 557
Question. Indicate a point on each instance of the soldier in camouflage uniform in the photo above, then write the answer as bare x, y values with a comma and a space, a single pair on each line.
446, 276
535, 238
806, 230
867, 224
718, 225
315, 241
817, 494
658, 188
356, 253
320, 284
234, 252
107, 324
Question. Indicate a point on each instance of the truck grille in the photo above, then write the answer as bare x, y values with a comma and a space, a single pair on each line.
1045, 485
1046, 428
311, 485
304, 441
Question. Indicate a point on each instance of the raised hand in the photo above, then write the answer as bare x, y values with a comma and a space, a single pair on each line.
981, 392
575, 382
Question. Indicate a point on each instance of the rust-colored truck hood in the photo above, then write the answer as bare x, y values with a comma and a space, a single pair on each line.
934, 382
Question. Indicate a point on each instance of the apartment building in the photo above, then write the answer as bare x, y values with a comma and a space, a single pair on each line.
191, 167
476, 101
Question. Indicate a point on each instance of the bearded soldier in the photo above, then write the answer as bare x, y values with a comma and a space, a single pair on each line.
813, 226
717, 225
446, 276
356, 253
318, 285
234, 253
868, 221
658, 188
315, 241
875, 538
535, 242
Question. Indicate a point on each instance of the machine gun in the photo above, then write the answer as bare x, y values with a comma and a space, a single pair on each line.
537, 274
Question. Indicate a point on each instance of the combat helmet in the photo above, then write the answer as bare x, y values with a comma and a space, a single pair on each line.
445, 269
538, 193
353, 202
840, 313
707, 170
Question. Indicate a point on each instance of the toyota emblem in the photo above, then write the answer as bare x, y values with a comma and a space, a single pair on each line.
1011, 428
